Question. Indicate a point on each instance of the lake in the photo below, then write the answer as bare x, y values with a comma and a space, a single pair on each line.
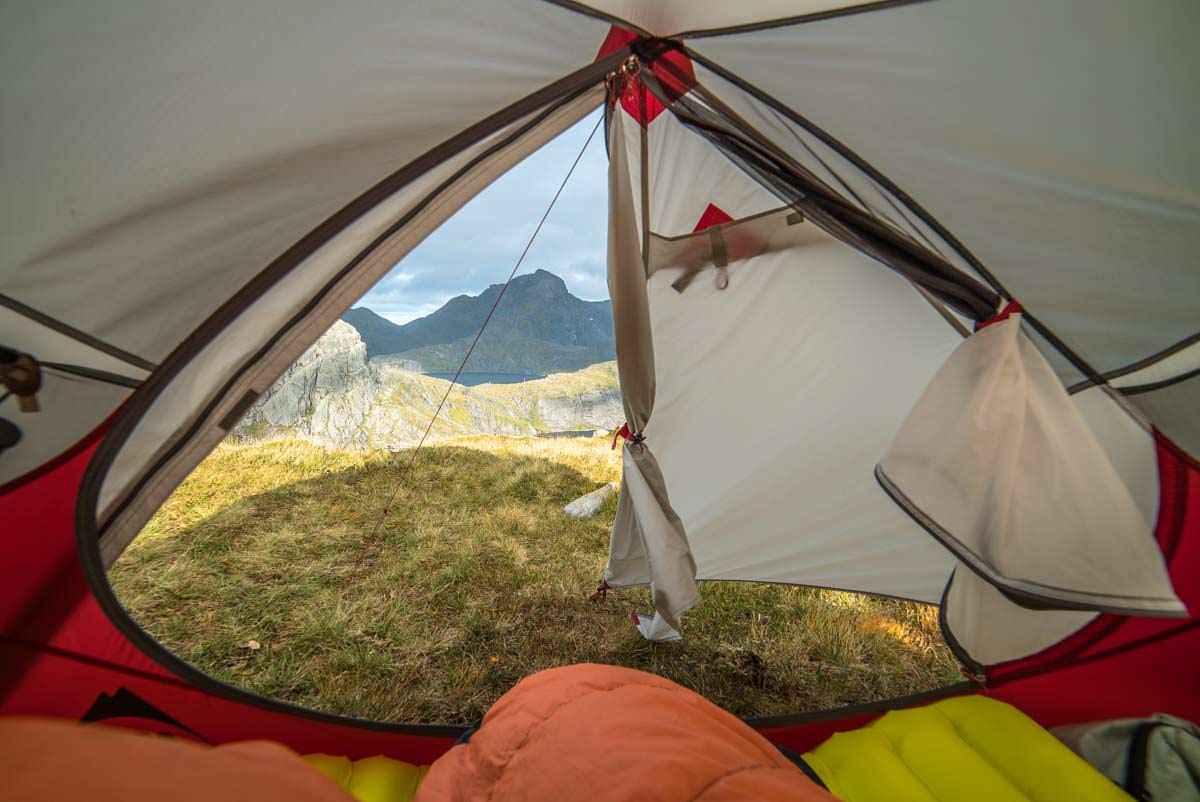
471, 379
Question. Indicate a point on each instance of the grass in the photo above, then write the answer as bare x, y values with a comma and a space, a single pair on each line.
264, 571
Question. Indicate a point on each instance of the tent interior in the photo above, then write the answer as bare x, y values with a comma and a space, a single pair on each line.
900, 309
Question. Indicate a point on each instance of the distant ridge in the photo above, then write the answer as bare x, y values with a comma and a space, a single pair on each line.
539, 327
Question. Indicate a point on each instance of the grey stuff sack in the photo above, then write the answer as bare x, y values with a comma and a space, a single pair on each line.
1155, 759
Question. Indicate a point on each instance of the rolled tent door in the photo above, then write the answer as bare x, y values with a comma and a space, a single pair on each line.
648, 543
667, 559
997, 463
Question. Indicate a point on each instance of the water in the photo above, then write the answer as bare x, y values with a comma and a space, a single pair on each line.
472, 379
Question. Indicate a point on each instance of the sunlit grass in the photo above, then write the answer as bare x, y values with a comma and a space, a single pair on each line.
263, 571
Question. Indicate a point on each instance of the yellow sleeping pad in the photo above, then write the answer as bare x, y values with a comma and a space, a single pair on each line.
372, 779
965, 748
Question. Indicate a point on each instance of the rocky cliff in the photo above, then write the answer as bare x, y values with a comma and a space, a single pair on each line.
335, 396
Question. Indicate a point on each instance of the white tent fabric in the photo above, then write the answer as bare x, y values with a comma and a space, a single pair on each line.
988, 628
674, 17
1053, 139
776, 396
687, 175
735, 435
681, 180
653, 550
998, 465
1128, 444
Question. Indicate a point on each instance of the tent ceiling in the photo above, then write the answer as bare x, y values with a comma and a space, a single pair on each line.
1048, 137
674, 17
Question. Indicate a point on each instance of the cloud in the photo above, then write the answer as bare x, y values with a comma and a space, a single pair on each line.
479, 245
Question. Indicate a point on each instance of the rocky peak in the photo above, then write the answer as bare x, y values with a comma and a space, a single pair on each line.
539, 327
326, 393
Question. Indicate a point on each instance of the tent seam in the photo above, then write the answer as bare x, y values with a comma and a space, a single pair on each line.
587, 11
959, 549
802, 19
1140, 364
66, 329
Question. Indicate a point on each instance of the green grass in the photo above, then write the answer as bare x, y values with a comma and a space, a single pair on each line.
474, 580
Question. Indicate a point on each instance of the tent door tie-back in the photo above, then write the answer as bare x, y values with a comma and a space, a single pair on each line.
627, 435
1013, 307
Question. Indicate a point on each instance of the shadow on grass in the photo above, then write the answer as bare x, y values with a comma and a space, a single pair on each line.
474, 579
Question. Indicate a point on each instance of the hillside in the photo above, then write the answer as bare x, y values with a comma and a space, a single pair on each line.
335, 396
264, 570
539, 327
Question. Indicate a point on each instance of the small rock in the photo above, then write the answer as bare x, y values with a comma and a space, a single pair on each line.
252, 645
588, 505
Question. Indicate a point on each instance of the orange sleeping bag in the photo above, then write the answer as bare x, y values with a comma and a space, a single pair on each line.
604, 733
42, 759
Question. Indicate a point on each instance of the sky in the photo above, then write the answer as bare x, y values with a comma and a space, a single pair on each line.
479, 245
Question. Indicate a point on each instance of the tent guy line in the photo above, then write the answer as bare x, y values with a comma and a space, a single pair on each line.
474, 342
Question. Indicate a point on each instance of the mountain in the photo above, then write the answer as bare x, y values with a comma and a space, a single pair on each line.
539, 327
333, 395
